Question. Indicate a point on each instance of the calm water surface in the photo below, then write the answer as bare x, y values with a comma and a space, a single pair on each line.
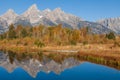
48, 69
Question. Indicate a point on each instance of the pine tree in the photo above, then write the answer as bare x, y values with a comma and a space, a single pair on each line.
111, 35
23, 33
11, 32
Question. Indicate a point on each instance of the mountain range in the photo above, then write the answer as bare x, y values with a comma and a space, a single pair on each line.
33, 17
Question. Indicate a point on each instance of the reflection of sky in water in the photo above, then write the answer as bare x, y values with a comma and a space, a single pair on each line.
85, 71
69, 69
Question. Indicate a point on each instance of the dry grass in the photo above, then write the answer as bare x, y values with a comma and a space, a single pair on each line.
107, 54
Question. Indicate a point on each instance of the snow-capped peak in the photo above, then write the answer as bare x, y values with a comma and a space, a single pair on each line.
9, 16
59, 9
32, 14
9, 13
33, 7
47, 10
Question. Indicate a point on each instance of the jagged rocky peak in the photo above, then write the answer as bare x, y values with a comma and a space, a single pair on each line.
46, 11
33, 7
9, 16
58, 9
10, 13
32, 10
56, 14
33, 14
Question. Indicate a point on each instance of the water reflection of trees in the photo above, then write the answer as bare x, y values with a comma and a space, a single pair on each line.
11, 56
57, 57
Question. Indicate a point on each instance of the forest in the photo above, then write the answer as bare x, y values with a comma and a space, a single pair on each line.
55, 35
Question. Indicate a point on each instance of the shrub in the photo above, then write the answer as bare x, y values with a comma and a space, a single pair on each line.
116, 44
39, 43
25, 44
85, 42
73, 42
111, 35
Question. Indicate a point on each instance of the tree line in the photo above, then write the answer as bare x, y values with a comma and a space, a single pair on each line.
57, 35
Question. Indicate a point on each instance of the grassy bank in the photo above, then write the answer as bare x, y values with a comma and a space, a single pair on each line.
106, 54
104, 58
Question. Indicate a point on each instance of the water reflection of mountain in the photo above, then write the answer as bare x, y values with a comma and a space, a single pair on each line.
33, 66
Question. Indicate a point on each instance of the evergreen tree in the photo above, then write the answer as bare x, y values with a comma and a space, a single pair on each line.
23, 33
11, 32
111, 35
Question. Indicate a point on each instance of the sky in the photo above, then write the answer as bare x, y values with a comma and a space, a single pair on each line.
90, 10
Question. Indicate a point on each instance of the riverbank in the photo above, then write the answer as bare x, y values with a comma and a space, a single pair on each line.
96, 49
87, 48
107, 54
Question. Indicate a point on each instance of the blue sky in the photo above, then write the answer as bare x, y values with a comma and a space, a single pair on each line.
87, 9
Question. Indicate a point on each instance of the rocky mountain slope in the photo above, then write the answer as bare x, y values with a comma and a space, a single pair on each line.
33, 16
111, 23
9, 16
3, 25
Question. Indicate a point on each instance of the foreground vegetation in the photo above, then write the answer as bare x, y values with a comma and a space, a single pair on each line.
26, 41
32, 39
